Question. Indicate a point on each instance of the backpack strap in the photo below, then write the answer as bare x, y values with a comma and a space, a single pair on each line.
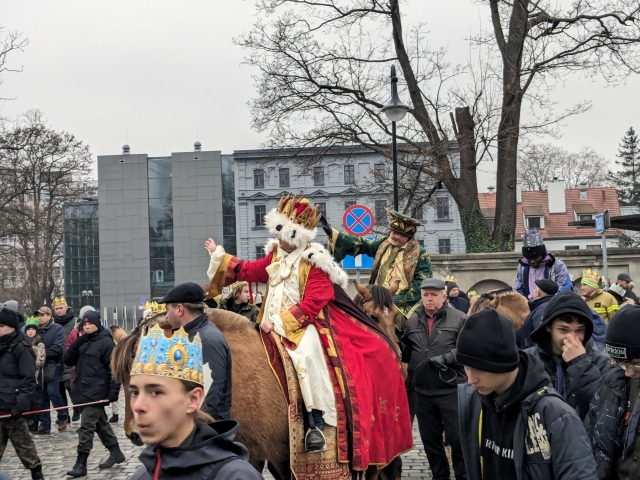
220, 465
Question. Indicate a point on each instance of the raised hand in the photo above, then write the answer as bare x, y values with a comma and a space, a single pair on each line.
572, 348
210, 245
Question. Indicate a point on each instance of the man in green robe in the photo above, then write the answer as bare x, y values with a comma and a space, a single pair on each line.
397, 256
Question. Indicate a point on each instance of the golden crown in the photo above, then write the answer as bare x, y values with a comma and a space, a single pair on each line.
450, 278
472, 293
157, 308
591, 275
147, 305
173, 356
299, 211
58, 302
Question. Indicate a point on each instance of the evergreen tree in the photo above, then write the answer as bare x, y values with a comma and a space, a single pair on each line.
628, 178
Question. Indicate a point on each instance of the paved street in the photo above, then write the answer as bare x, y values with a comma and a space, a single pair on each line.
58, 453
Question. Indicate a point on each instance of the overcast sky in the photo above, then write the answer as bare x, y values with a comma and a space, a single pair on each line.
152, 73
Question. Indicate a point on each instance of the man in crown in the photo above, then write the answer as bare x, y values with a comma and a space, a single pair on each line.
306, 306
397, 256
603, 303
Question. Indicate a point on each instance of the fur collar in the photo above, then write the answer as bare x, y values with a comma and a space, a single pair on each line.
319, 257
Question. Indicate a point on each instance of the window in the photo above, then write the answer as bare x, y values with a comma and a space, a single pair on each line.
583, 194
490, 222
322, 209
533, 223
444, 246
283, 175
318, 176
594, 246
349, 174
258, 178
584, 217
443, 208
380, 170
259, 211
572, 247
419, 213
348, 204
380, 213
421, 243
260, 252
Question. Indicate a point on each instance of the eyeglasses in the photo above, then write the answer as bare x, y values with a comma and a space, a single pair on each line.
626, 366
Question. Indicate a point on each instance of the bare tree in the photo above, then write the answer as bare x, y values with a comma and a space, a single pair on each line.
49, 167
540, 163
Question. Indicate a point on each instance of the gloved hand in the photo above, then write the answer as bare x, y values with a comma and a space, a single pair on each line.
113, 397
439, 362
325, 226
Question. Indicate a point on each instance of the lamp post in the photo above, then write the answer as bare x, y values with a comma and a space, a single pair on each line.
395, 111
86, 294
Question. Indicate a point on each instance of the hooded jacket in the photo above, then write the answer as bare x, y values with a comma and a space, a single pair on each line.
548, 439
554, 269
91, 355
212, 447
532, 322
594, 387
17, 373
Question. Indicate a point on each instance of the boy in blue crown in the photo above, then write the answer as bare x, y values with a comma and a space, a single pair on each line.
166, 388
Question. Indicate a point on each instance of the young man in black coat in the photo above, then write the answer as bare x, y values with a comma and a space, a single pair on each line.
584, 377
512, 424
91, 355
17, 384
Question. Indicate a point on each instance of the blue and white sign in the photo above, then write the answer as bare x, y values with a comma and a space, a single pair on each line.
600, 223
358, 220
361, 261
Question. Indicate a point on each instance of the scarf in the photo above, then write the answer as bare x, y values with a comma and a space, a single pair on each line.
283, 269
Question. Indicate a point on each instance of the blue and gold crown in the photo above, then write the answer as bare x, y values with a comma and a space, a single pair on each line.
174, 356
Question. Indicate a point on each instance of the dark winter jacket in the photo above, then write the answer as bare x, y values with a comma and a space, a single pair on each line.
532, 322
17, 373
418, 347
212, 447
549, 441
217, 355
67, 322
91, 355
53, 337
554, 269
247, 310
595, 388
460, 303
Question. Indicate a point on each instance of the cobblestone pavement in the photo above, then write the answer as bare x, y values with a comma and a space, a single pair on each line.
58, 453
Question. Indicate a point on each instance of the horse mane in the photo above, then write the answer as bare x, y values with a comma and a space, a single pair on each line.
506, 302
380, 296
228, 322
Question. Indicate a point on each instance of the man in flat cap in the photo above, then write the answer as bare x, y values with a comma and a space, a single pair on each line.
429, 347
397, 256
185, 308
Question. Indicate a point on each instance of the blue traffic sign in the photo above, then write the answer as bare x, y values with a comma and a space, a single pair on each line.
600, 223
361, 261
358, 220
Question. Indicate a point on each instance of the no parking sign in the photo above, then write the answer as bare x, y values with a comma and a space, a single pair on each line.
358, 220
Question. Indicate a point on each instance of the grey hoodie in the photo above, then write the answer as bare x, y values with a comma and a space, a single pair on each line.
211, 445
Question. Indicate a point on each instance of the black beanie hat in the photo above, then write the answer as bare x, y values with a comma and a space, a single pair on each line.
564, 303
9, 318
487, 343
92, 317
533, 252
623, 334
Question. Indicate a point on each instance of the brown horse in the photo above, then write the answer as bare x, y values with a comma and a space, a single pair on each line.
511, 304
258, 401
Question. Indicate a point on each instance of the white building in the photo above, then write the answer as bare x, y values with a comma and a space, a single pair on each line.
334, 179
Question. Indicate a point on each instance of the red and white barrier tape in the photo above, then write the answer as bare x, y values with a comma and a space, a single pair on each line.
61, 408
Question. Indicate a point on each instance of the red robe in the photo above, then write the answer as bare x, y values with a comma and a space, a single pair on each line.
374, 424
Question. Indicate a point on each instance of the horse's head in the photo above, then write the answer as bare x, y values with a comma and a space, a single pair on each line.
117, 333
121, 362
377, 303
511, 304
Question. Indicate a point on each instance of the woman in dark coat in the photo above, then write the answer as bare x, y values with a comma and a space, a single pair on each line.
238, 302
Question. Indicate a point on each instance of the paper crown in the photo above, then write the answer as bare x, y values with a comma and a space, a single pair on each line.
147, 305
58, 302
173, 356
299, 211
401, 223
158, 308
450, 278
472, 293
590, 278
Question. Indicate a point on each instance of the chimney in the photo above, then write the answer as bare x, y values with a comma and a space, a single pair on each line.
126, 150
491, 189
197, 147
583, 191
518, 192
555, 192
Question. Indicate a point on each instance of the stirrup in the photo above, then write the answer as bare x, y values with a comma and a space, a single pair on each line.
324, 440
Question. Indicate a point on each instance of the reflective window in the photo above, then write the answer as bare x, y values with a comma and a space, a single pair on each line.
162, 276
349, 174
259, 211
283, 175
228, 205
444, 246
322, 209
318, 176
258, 178
443, 208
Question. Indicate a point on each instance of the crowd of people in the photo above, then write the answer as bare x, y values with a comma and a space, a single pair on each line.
555, 397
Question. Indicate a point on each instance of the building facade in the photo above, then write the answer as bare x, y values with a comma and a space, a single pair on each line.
154, 215
334, 179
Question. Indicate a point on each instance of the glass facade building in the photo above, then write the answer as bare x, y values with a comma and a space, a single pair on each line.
228, 205
160, 227
81, 255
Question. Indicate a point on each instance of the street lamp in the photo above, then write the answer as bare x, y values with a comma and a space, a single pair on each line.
86, 294
395, 111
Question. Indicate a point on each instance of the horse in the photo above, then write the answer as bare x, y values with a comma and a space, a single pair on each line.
377, 302
258, 404
506, 302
